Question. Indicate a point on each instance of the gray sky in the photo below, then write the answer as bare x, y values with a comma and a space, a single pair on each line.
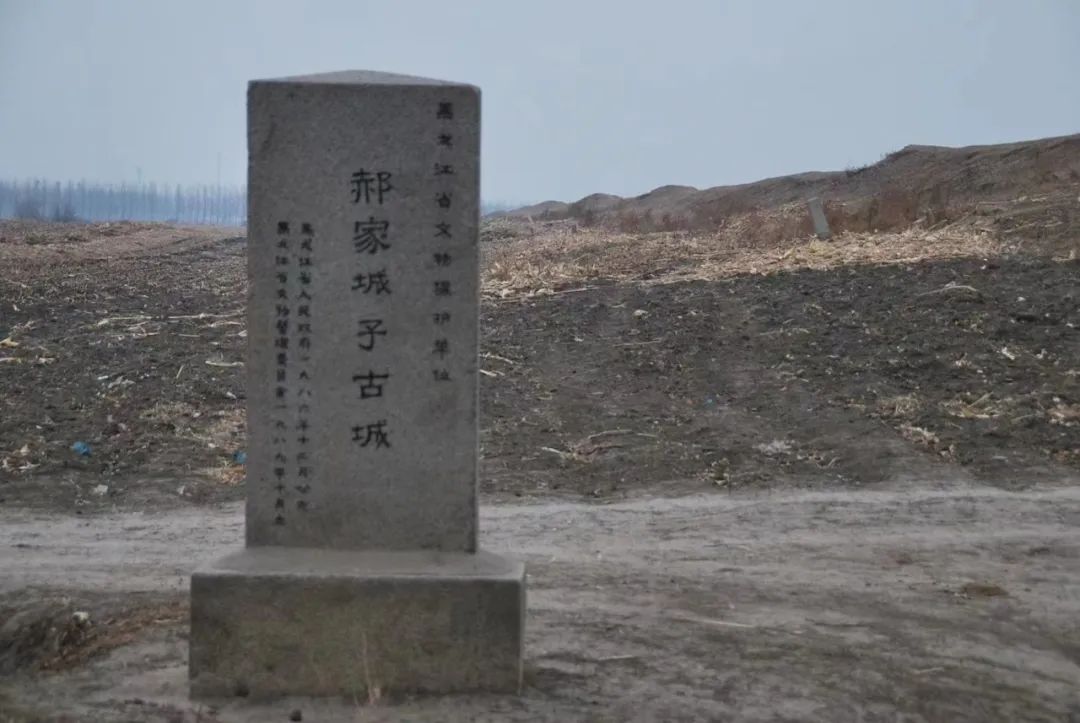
617, 96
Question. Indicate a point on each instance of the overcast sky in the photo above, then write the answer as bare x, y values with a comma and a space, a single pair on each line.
618, 96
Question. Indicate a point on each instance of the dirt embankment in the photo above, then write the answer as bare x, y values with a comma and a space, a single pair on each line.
613, 365
929, 184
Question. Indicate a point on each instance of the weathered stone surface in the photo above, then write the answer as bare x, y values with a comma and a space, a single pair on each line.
361, 569
379, 390
269, 622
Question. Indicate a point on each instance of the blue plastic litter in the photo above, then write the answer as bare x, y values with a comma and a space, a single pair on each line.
81, 448
240, 457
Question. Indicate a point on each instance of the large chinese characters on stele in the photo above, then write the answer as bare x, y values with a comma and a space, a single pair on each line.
363, 329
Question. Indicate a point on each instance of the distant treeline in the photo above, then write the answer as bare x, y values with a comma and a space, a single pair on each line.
82, 201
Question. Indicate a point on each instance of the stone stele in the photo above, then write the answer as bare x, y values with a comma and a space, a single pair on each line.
817, 215
361, 572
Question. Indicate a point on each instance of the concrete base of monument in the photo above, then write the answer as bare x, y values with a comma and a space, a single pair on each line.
268, 622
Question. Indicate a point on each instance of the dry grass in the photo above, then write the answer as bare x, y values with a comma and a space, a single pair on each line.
902, 406
547, 259
76, 642
42, 242
1067, 415
984, 407
219, 430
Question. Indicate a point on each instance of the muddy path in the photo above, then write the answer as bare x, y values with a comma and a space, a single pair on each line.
946, 603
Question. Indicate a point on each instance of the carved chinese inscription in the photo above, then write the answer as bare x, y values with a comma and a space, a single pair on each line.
293, 259
364, 317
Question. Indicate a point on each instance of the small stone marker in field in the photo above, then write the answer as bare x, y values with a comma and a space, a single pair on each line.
361, 573
817, 215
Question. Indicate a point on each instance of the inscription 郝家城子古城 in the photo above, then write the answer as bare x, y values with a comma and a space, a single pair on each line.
370, 238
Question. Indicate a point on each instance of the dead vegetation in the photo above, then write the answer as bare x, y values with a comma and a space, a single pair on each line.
54, 632
547, 259
936, 184
119, 351
959, 337
122, 346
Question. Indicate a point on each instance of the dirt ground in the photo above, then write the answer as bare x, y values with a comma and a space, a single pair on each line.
808, 481
813, 366
952, 603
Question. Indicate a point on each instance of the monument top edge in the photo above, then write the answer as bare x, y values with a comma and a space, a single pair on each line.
358, 77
